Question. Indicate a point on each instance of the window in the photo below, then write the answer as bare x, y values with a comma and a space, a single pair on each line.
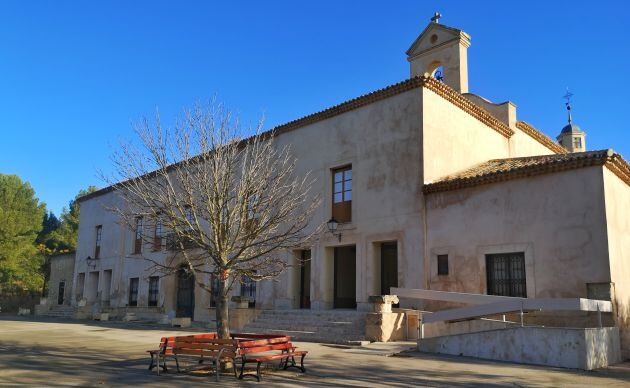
97, 243
137, 245
157, 236
342, 194
133, 291
248, 289
577, 142
442, 264
506, 274
154, 287
214, 284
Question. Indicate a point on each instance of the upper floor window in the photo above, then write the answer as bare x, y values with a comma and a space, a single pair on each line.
577, 142
97, 244
157, 235
154, 286
137, 244
342, 194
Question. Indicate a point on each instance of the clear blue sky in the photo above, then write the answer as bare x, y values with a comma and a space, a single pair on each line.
73, 75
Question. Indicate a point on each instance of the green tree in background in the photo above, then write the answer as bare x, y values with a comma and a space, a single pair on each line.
60, 235
69, 229
21, 217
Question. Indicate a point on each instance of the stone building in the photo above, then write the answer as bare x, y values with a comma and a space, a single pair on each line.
434, 188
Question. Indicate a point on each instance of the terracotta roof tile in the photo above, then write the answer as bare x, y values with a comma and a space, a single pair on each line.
499, 170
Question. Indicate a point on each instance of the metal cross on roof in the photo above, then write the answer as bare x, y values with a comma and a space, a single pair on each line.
568, 103
436, 17
568, 97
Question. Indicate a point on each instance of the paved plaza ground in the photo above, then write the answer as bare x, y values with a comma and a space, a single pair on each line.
38, 352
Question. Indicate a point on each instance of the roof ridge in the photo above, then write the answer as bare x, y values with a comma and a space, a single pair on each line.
566, 154
475, 176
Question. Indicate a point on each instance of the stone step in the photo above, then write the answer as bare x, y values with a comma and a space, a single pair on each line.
314, 337
308, 322
309, 327
329, 326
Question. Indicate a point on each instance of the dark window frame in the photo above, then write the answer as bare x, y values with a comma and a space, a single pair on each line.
341, 198
158, 235
133, 291
137, 241
154, 291
248, 289
506, 274
442, 265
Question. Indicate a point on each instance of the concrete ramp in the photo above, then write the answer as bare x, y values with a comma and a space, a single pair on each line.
577, 348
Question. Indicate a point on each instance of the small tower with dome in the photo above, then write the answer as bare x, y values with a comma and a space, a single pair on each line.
571, 136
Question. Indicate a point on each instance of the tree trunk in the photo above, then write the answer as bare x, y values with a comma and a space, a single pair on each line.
222, 310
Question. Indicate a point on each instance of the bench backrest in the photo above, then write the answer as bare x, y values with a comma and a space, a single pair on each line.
264, 345
208, 347
257, 336
166, 343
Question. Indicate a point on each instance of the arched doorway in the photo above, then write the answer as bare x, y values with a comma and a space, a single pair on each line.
185, 294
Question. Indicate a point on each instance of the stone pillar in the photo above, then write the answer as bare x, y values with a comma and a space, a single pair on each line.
383, 303
382, 324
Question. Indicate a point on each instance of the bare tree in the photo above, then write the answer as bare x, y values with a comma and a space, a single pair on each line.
225, 205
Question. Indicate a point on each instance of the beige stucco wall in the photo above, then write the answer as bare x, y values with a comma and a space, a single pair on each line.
521, 144
381, 141
61, 270
453, 140
394, 145
617, 195
558, 220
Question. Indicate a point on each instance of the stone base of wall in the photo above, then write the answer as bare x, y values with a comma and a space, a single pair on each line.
239, 317
577, 348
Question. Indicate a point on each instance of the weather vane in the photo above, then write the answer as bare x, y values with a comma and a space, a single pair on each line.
436, 17
567, 97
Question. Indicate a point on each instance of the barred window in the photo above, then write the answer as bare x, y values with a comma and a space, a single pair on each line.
506, 274
133, 291
154, 287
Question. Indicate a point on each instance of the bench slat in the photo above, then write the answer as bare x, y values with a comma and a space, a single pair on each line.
260, 349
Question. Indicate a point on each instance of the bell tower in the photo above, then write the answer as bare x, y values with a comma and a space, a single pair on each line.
441, 52
571, 136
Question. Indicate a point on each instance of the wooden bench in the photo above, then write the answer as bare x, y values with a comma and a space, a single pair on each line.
214, 350
165, 350
254, 349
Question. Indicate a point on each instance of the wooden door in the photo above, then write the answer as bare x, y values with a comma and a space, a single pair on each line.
305, 280
345, 278
185, 294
